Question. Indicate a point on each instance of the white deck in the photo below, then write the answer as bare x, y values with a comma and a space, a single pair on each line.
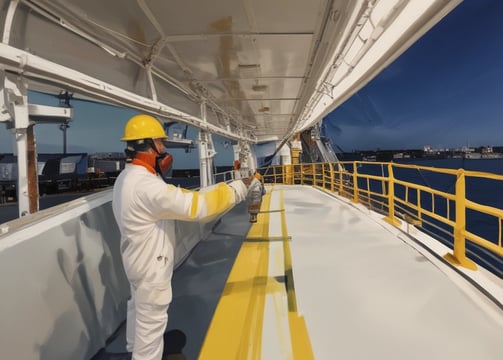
362, 286
367, 294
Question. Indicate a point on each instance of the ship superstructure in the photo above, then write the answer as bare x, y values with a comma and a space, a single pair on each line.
260, 73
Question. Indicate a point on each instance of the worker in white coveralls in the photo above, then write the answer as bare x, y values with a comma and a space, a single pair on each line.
145, 208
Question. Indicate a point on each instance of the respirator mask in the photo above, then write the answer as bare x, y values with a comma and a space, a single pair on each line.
163, 163
139, 150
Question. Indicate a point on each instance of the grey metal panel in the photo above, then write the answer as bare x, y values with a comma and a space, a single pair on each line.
8, 171
197, 17
4, 5
202, 43
176, 98
64, 291
45, 39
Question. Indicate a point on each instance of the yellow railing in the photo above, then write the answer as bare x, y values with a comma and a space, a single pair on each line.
389, 188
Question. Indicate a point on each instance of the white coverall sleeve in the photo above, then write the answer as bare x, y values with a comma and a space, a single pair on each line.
240, 189
166, 201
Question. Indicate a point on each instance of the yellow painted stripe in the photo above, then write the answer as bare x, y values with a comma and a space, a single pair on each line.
236, 328
260, 229
235, 331
301, 344
251, 346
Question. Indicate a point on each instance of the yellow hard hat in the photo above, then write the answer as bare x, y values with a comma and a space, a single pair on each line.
143, 127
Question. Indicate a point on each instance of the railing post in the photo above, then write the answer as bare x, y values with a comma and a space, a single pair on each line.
391, 198
331, 169
341, 185
288, 174
313, 171
355, 182
323, 182
419, 209
458, 257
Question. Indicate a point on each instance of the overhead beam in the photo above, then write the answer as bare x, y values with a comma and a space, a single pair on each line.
9, 18
251, 78
244, 35
49, 114
262, 99
40, 69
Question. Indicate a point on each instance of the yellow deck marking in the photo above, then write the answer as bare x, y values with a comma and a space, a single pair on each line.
301, 345
235, 331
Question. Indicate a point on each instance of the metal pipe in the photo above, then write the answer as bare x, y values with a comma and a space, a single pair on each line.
9, 18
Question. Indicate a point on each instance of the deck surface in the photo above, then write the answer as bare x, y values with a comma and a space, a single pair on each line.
317, 277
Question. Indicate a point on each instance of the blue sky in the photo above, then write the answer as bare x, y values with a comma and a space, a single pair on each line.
444, 91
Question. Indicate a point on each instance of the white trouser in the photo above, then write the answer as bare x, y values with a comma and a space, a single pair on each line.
146, 323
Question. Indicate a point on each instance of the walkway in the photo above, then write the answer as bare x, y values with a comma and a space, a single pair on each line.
318, 277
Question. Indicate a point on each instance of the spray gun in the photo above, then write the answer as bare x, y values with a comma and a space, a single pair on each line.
254, 198
255, 190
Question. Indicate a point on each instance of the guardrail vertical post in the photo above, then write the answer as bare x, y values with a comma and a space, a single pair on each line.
331, 169
315, 175
419, 209
355, 182
323, 175
458, 257
290, 176
391, 198
341, 184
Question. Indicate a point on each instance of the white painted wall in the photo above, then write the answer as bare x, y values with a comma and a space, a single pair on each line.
64, 291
